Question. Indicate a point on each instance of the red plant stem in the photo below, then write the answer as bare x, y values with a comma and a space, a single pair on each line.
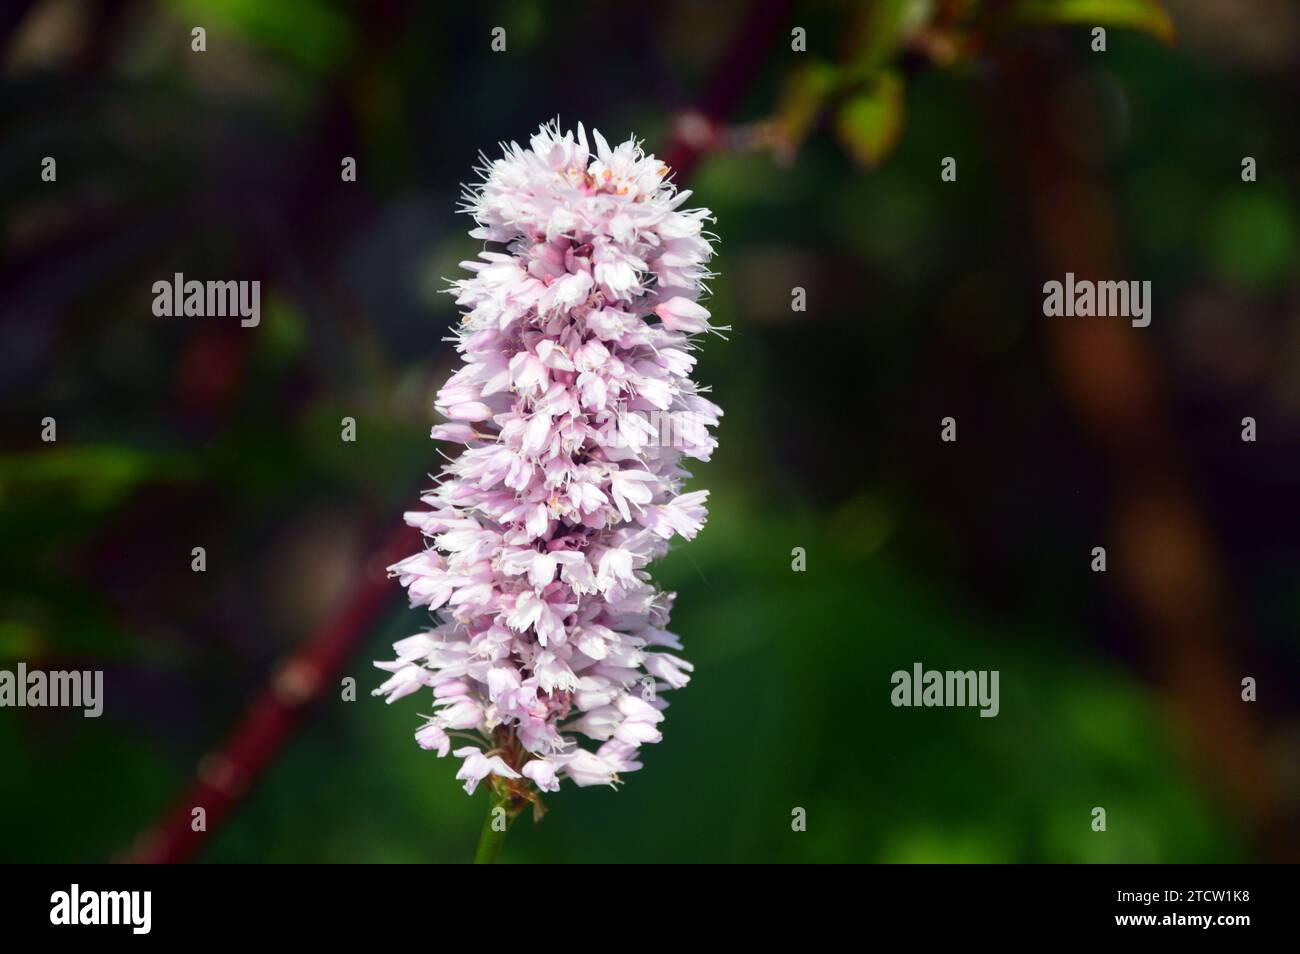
228, 773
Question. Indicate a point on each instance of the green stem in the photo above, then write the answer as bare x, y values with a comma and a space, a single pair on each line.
492, 838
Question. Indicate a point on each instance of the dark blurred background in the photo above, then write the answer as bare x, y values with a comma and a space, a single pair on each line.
1119, 689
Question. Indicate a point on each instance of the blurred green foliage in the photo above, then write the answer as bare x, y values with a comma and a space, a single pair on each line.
789, 708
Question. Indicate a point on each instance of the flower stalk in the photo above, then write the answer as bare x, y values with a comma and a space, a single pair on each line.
495, 826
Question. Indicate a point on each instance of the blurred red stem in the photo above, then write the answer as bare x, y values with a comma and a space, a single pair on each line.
226, 775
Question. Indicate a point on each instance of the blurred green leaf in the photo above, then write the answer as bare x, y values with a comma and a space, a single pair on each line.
885, 22
314, 34
19, 639
1252, 240
870, 122
92, 475
1145, 15
284, 333
804, 97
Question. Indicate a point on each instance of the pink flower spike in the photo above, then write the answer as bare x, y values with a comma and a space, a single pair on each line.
539, 537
